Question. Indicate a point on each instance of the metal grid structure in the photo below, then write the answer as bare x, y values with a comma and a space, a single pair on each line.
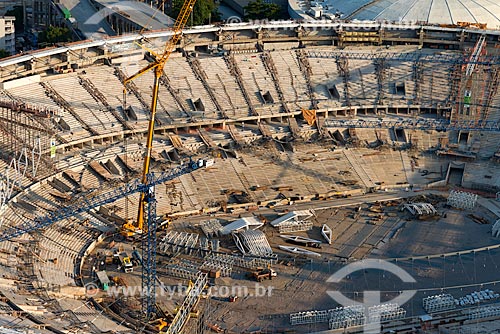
310, 317
182, 271
249, 262
149, 256
295, 227
438, 303
462, 200
211, 228
347, 316
214, 264
484, 312
176, 242
252, 243
385, 312
191, 299
419, 209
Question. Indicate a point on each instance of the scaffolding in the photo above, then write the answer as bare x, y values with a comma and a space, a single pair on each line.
252, 242
348, 316
310, 317
193, 296
385, 312
211, 228
295, 227
484, 312
176, 242
462, 200
438, 303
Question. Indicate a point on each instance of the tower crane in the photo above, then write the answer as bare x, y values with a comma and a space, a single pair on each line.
157, 66
146, 197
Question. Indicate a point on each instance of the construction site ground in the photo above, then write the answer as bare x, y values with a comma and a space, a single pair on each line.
358, 233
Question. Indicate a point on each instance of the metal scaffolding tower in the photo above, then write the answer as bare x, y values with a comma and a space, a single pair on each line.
149, 255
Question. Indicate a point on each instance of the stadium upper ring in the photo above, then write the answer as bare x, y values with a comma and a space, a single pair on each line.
445, 12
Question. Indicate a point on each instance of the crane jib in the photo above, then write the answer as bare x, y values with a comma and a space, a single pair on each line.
87, 204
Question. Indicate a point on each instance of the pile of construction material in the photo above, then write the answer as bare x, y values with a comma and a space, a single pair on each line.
177, 242
252, 242
438, 303
477, 297
462, 200
484, 312
295, 221
211, 228
420, 209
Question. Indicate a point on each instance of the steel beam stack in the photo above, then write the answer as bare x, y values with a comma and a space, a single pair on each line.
438, 303
176, 242
295, 227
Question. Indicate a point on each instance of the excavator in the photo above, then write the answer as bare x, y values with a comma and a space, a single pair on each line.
129, 229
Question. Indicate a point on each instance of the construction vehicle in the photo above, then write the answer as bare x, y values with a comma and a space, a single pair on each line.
159, 324
126, 263
262, 273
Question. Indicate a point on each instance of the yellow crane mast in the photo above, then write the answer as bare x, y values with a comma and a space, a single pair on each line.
157, 65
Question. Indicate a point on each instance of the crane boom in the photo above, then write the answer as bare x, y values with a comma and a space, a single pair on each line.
157, 65
87, 204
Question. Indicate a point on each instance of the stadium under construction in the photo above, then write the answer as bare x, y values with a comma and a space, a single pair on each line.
282, 153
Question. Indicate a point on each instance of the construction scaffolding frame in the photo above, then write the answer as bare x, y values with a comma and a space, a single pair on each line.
438, 303
189, 302
462, 200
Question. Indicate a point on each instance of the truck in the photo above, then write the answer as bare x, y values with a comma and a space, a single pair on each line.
126, 263
261, 274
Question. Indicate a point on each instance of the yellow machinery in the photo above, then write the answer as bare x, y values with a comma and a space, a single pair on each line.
309, 116
129, 229
159, 324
